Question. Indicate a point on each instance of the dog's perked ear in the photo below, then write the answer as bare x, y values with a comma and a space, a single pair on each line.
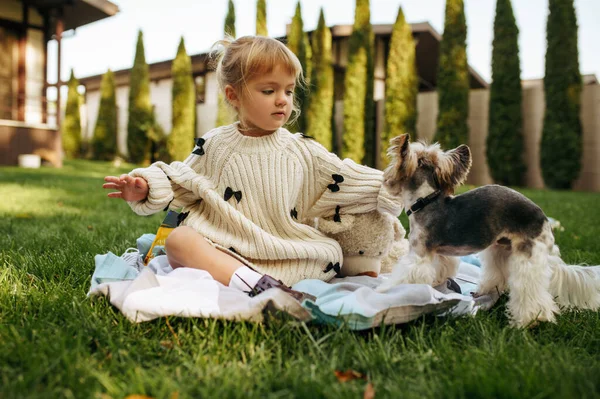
402, 162
454, 170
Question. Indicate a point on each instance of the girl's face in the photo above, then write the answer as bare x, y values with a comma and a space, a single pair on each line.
267, 103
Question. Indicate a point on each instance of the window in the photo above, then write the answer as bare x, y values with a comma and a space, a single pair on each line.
9, 58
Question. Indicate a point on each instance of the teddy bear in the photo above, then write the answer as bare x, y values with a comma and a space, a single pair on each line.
371, 242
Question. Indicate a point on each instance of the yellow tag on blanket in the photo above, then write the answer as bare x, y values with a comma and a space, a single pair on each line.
166, 227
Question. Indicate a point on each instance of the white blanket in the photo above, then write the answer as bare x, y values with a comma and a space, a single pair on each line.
160, 291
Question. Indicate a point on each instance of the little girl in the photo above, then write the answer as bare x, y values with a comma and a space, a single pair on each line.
249, 190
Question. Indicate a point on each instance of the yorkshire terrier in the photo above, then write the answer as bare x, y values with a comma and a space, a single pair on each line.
511, 233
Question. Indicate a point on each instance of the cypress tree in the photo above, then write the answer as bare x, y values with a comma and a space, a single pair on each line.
320, 108
561, 144
181, 140
224, 114
261, 18
104, 141
298, 43
370, 136
71, 126
140, 107
159, 147
358, 82
453, 79
402, 86
229, 27
504, 149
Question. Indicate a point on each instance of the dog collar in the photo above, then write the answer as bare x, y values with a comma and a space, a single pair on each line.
421, 202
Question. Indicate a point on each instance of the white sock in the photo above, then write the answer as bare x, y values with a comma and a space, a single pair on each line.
244, 279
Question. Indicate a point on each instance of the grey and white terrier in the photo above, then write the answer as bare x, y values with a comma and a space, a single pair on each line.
511, 233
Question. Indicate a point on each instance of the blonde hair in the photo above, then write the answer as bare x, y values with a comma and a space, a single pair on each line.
241, 60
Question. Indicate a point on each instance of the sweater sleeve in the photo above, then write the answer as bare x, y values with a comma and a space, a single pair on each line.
354, 188
164, 182
163, 191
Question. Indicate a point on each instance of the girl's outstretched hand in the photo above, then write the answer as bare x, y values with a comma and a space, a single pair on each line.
128, 188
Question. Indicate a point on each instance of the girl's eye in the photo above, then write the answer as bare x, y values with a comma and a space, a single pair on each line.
289, 92
267, 91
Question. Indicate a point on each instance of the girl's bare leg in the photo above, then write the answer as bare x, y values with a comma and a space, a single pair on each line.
187, 248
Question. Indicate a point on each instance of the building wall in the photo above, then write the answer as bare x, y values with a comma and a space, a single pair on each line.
478, 129
18, 138
533, 122
533, 119
379, 70
90, 114
589, 178
34, 72
161, 95
532, 107
122, 98
206, 113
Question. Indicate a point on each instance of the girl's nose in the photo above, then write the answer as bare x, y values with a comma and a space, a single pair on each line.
281, 99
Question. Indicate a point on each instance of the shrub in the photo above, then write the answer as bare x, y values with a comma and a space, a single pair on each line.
104, 141
453, 79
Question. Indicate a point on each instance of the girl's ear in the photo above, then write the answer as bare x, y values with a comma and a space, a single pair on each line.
232, 96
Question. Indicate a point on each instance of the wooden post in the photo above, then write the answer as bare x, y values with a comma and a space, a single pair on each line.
58, 36
21, 69
45, 86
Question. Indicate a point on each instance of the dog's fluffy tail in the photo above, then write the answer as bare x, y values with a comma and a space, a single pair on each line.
574, 286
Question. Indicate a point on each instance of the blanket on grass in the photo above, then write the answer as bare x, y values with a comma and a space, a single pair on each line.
144, 293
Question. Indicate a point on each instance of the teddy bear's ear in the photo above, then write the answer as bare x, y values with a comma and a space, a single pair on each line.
399, 232
330, 226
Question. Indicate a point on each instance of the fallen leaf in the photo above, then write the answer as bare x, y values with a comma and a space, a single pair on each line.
369, 391
166, 344
349, 375
90, 227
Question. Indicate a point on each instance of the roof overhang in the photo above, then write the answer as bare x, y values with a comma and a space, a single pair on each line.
157, 71
75, 13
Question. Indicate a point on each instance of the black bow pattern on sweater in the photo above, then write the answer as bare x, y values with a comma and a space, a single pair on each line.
337, 218
294, 213
199, 142
181, 217
337, 179
229, 193
335, 267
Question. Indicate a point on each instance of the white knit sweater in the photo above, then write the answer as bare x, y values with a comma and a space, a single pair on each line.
253, 196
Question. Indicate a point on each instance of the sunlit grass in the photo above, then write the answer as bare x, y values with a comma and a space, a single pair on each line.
55, 342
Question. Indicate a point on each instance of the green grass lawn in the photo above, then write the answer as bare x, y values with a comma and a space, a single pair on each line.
55, 342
